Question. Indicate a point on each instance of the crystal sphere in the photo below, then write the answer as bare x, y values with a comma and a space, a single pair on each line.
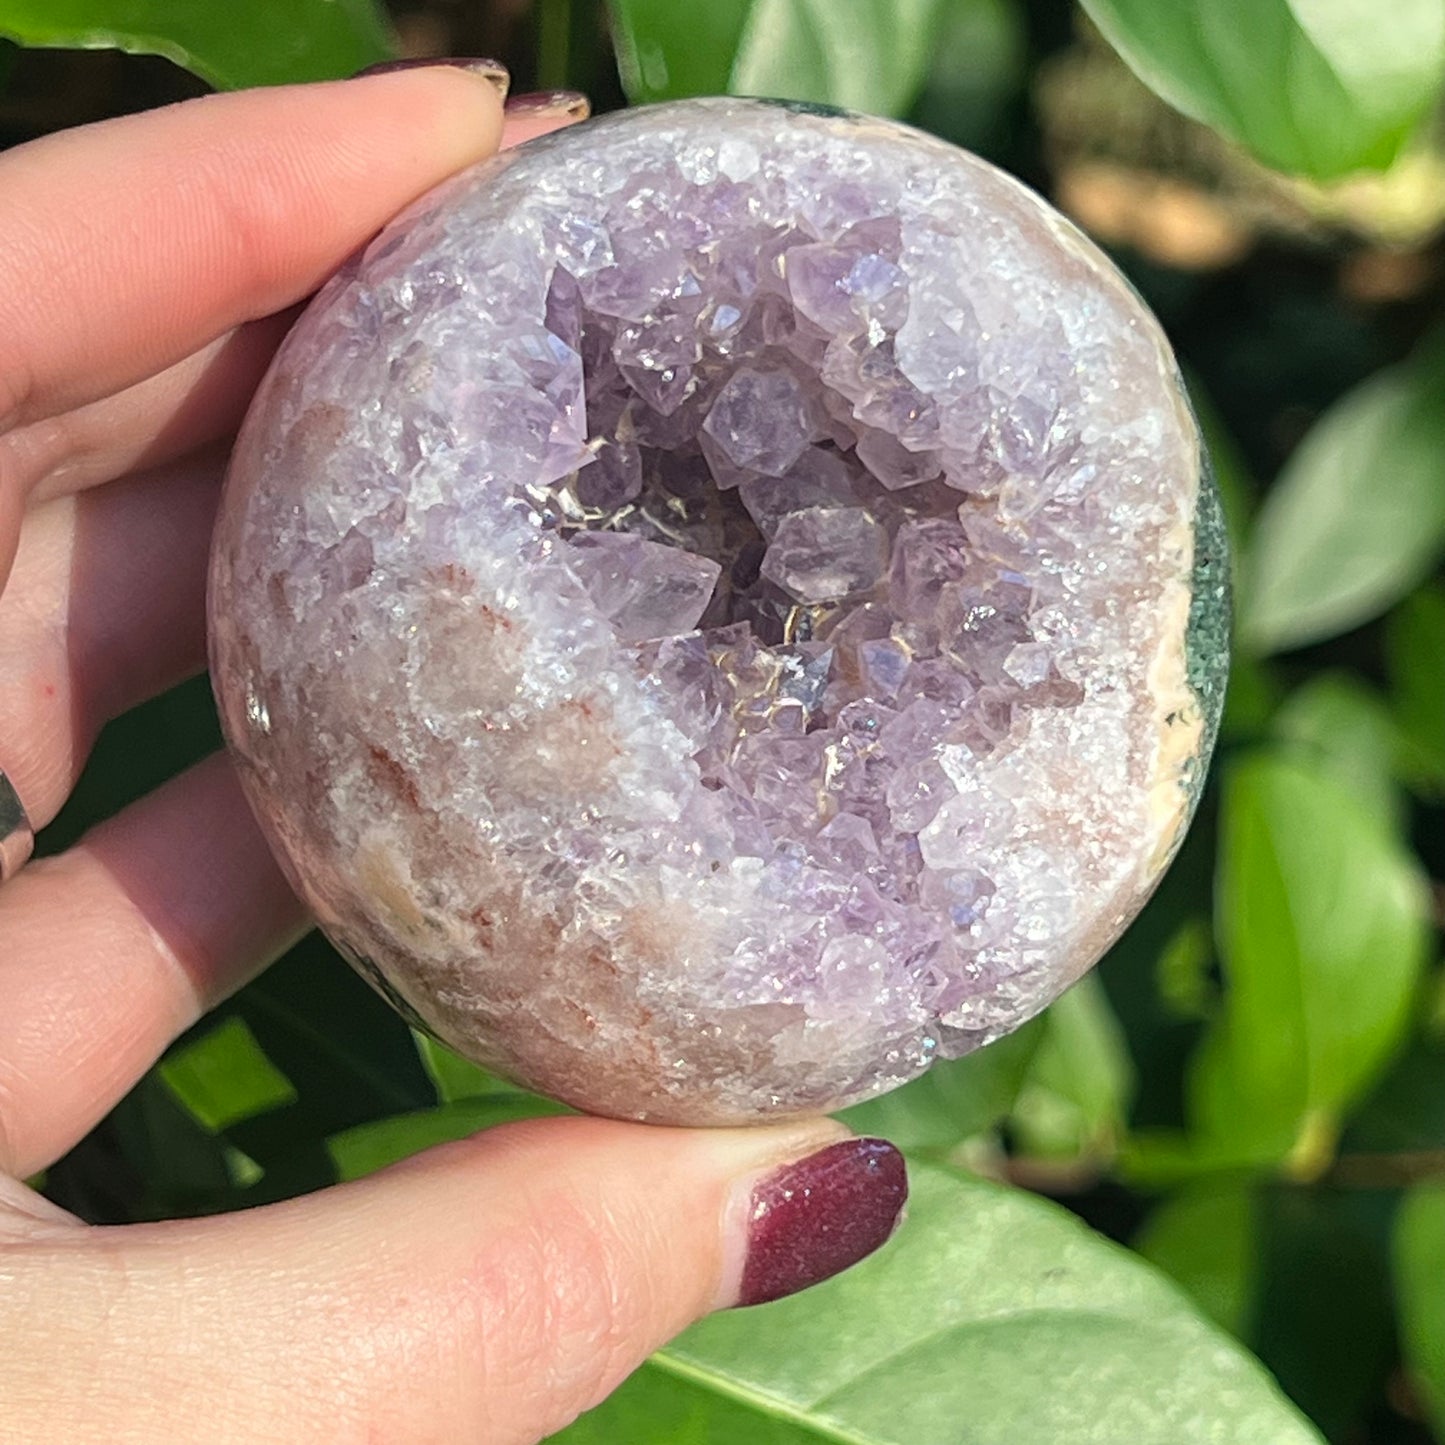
721, 607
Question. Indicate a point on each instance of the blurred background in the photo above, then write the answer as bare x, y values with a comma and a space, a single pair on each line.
1250, 1090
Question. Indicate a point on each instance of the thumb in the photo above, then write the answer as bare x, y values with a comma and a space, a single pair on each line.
488, 1290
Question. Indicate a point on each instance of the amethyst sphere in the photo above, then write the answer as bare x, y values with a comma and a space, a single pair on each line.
721, 607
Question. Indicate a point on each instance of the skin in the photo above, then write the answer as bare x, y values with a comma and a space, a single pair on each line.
487, 1290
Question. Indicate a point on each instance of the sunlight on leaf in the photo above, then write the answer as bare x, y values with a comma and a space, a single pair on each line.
667, 51
256, 42
1319, 87
990, 1307
870, 55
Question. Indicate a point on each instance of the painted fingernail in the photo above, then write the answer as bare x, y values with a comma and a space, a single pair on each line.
813, 1218
490, 70
550, 104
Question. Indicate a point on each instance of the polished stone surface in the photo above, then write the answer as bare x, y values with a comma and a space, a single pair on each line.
709, 614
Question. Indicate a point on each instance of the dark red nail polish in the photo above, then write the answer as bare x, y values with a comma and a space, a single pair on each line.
559, 103
492, 70
812, 1219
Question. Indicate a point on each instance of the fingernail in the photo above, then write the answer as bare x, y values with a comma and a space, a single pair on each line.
815, 1217
550, 104
490, 70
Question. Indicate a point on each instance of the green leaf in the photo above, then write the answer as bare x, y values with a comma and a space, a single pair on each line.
954, 1100
667, 51
370, 1147
1076, 1092
183, 1168
1207, 1239
870, 55
1357, 517
979, 64
1419, 1270
1414, 649
1182, 976
456, 1077
993, 1317
224, 1077
1321, 87
258, 42
349, 1057
1322, 931
1344, 728
1254, 694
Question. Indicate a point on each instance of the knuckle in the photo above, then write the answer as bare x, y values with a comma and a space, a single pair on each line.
567, 1306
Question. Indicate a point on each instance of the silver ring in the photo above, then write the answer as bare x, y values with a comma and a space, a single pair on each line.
17, 837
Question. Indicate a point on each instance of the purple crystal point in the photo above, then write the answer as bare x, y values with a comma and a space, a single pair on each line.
702, 609
642, 588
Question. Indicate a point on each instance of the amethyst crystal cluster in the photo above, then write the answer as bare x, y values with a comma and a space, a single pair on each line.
720, 608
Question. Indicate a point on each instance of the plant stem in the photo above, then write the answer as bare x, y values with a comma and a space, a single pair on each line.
554, 43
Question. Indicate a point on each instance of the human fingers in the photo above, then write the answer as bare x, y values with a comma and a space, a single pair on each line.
127, 245
110, 950
486, 1291
201, 398
105, 608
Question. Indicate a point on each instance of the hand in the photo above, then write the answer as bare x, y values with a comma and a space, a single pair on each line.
487, 1290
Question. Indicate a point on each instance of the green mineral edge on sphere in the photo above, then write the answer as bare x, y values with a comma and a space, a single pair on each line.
720, 607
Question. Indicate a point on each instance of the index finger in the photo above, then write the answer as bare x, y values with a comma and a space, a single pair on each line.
127, 245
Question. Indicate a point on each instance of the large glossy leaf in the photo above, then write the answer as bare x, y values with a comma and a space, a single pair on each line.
1321, 87
870, 55
993, 1317
1419, 1271
256, 42
1357, 517
1322, 932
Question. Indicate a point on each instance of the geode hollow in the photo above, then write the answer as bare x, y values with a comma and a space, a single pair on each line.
721, 607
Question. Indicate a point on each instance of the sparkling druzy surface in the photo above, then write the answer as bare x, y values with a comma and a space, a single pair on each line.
720, 608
